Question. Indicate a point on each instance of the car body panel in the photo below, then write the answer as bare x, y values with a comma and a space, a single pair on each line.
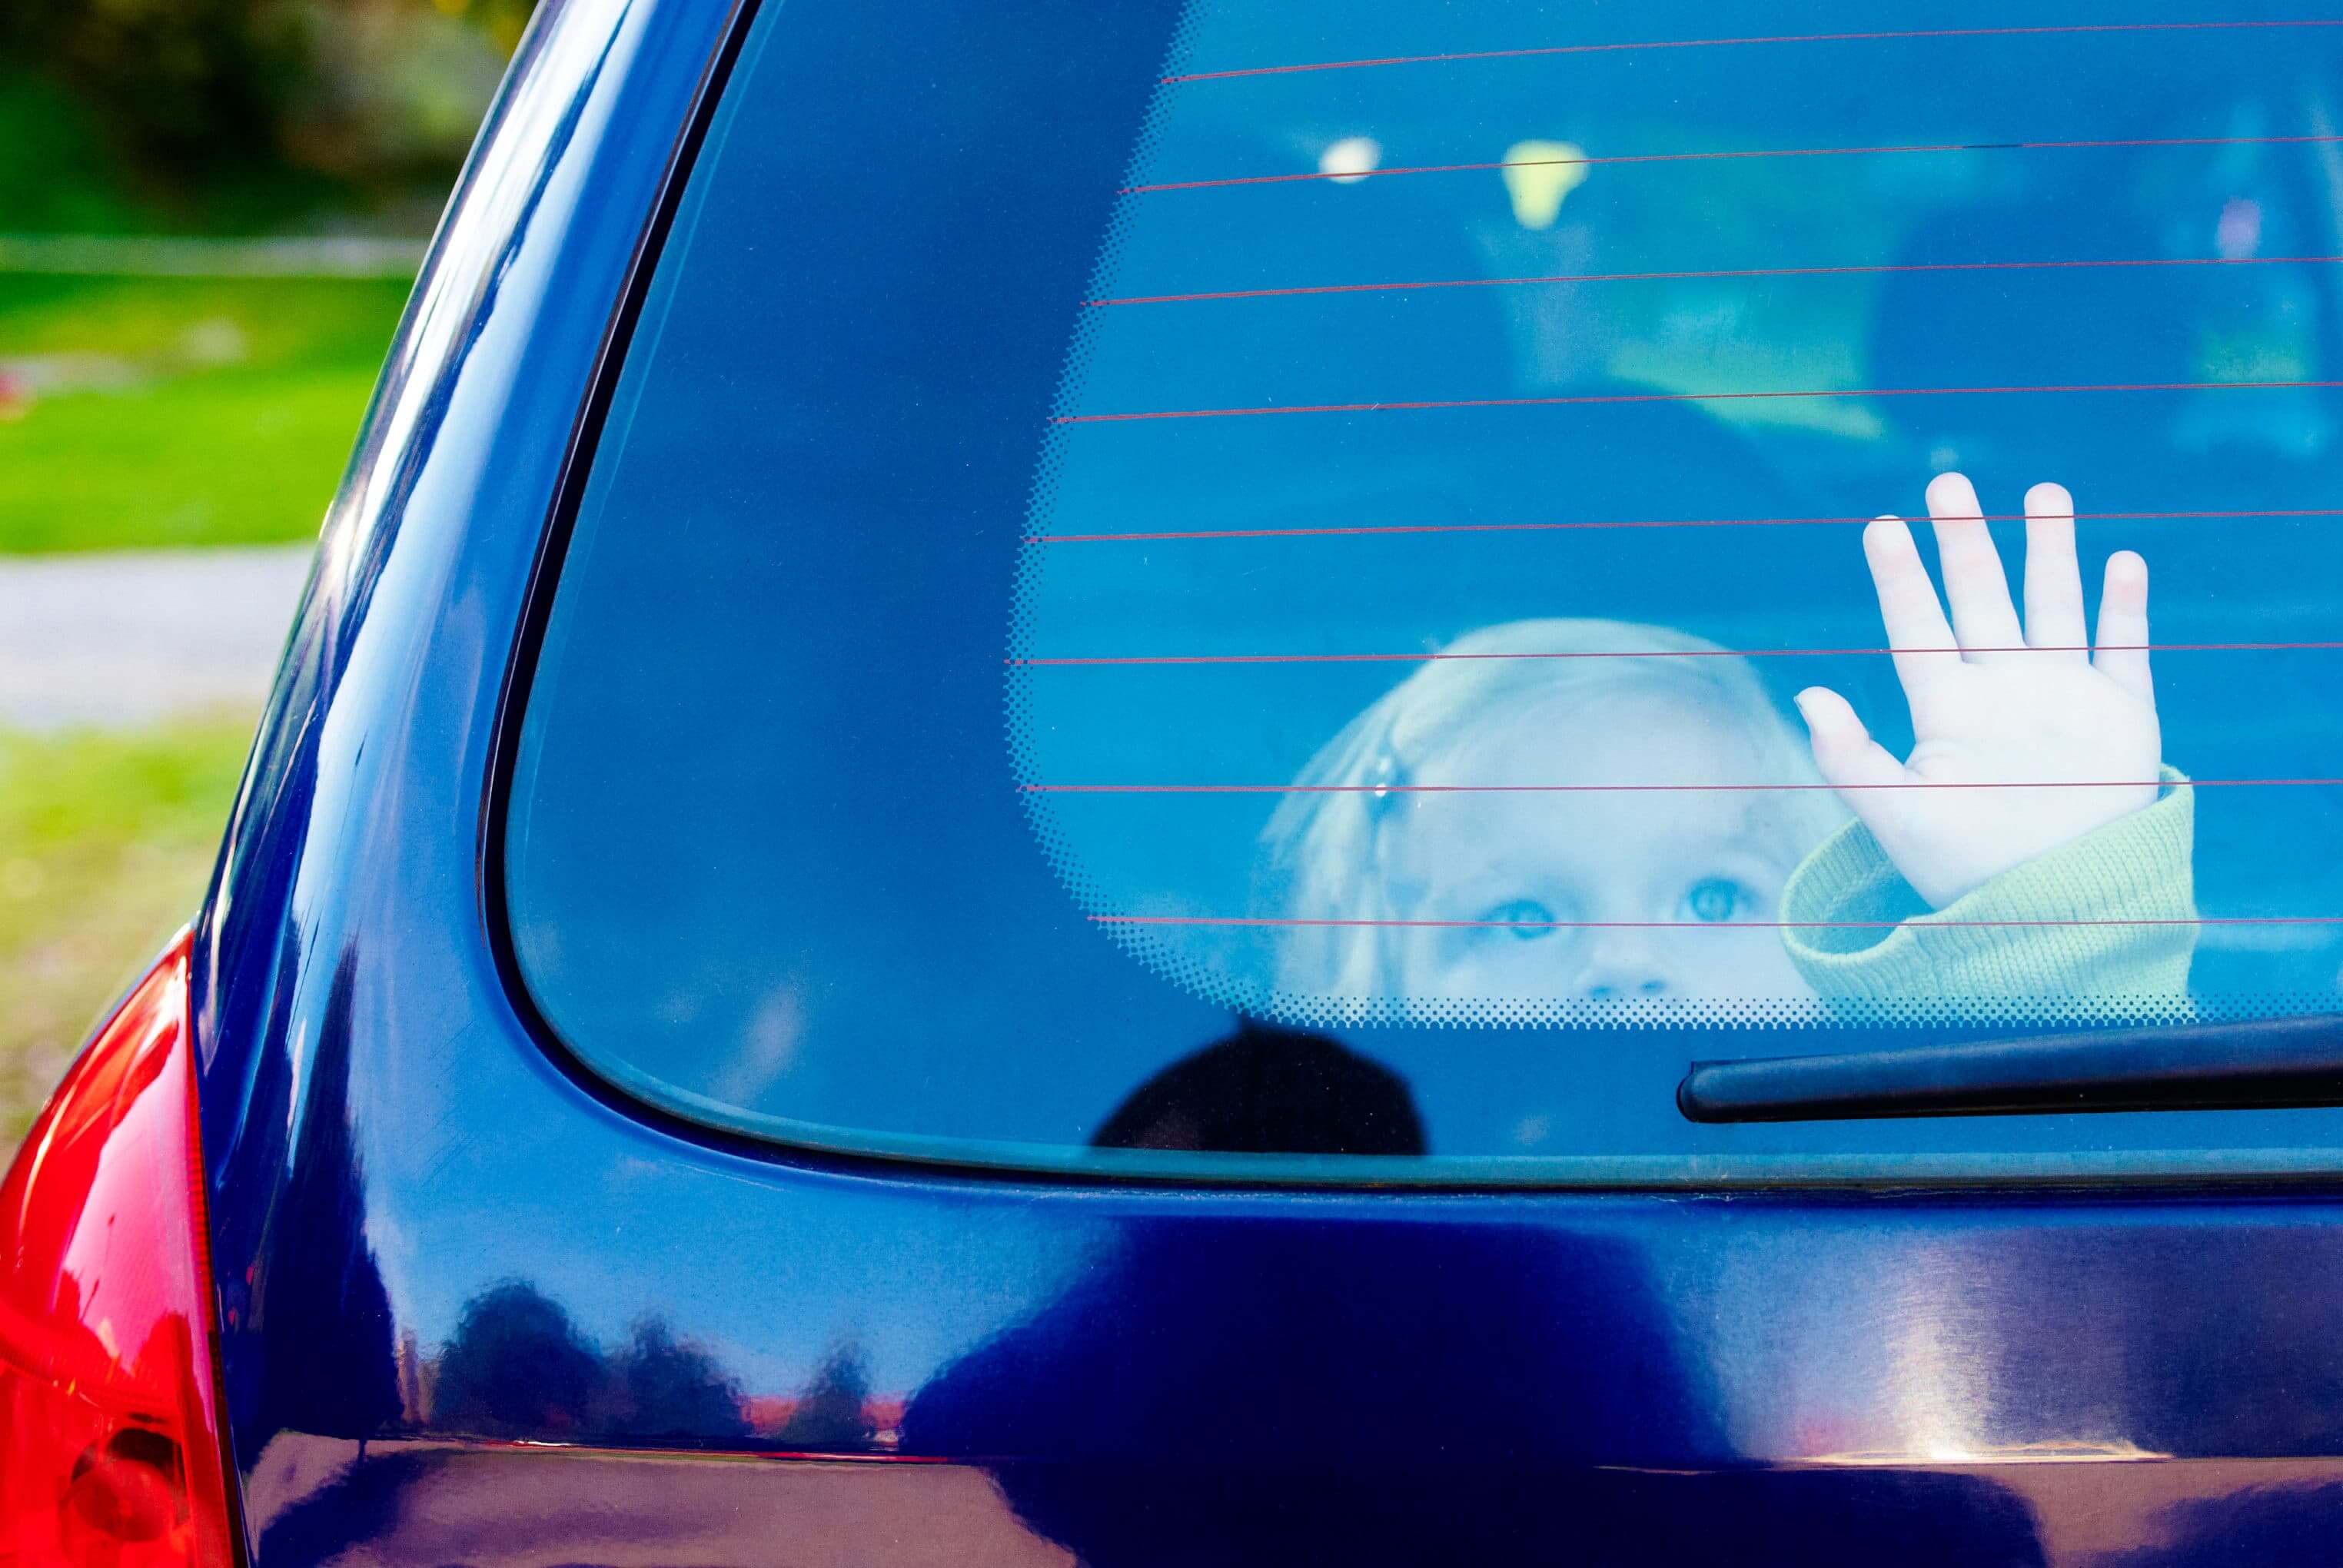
676, 1346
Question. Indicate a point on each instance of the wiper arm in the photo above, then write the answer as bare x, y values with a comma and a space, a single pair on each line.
2199, 1067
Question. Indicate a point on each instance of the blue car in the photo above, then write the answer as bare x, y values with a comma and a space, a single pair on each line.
1231, 783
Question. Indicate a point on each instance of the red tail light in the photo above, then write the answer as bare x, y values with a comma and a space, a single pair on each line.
109, 1440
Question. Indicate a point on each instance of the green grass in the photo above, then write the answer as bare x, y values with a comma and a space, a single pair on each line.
195, 411
105, 842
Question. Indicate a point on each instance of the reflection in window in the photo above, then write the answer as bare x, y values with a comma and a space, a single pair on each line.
1531, 460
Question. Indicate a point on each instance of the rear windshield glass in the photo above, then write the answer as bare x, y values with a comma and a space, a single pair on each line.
1369, 581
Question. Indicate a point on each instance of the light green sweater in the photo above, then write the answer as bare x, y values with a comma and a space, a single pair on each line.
2102, 927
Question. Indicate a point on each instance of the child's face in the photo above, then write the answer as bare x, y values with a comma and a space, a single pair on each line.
1609, 858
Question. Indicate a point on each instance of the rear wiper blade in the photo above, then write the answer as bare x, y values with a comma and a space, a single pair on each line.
2196, 1067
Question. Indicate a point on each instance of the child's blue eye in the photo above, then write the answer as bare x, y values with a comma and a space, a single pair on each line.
1716, 899
1527, 916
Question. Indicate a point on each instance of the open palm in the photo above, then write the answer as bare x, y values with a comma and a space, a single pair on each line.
2023, 738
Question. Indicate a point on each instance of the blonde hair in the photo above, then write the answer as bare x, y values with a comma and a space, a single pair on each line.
1317, 859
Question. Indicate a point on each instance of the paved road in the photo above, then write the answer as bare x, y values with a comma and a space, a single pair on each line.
125, 639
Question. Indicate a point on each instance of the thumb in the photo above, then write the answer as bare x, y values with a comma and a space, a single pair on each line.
1846, 755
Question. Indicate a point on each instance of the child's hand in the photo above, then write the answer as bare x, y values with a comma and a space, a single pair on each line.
2000, 706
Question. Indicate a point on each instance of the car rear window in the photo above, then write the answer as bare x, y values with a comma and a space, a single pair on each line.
1355, 585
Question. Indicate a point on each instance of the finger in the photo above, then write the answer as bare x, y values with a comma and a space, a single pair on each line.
2123, 626
2053, 583
1916, 628
1846, 755
1976, 587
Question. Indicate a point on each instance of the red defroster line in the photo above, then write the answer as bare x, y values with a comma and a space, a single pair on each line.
1684, 397
1714, 273
1639, 789
1666, 653
1670, 523
1701, 924
1724, 154
1725, 43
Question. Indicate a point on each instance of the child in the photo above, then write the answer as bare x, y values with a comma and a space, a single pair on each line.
1466, 842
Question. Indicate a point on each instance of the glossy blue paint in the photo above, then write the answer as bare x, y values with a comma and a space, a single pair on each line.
436, 1248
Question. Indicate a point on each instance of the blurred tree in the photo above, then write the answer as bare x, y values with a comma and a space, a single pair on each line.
663, 1388
57, 172
235, 114
832, 1416
501, 20
190, 85
516, 1367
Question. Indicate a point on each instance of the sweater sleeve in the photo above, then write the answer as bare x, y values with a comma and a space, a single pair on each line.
2108, 922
